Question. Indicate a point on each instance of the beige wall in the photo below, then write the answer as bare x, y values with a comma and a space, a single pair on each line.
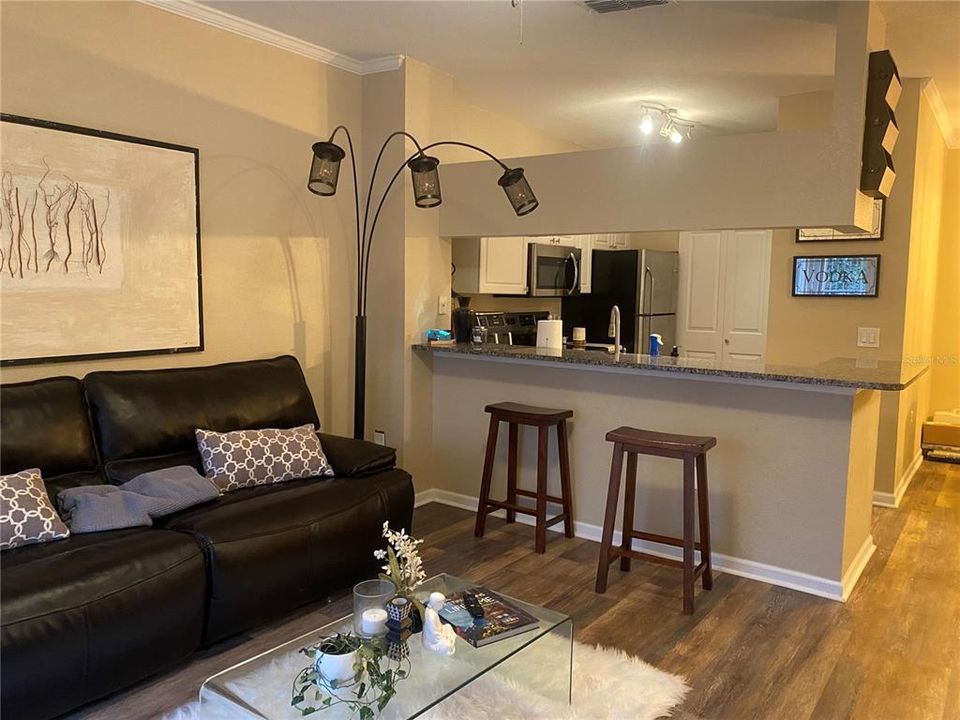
276, 273
945, 368
811, 329
916, 310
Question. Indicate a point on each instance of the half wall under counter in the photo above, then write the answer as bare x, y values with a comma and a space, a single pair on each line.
791, 477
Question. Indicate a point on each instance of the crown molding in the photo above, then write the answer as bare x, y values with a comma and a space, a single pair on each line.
230, 23
950, 134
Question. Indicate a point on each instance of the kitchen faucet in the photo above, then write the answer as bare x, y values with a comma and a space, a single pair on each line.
614, 331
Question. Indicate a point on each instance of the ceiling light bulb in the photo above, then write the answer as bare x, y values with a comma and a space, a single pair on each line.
646, 125
675, 137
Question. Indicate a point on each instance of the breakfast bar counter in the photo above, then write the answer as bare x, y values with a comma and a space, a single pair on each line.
791, 477
840, 372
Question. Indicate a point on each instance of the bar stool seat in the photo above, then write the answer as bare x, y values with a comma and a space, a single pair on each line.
692, 449
516, 414
652, 440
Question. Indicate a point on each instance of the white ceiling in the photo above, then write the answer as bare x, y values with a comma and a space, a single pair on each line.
582, 76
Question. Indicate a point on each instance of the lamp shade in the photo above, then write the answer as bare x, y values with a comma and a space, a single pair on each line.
426, 181
518, 191
325, 168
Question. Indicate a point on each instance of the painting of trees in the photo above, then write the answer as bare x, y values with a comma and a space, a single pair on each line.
51, 225
99, 244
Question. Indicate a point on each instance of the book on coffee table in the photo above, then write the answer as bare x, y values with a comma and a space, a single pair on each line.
501, 619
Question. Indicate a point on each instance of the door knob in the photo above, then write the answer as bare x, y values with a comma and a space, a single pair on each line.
726, 341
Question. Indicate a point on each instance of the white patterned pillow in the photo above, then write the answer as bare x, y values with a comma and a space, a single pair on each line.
26, 513
243, 458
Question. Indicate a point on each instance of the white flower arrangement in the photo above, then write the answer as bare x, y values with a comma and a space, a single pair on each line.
403, 568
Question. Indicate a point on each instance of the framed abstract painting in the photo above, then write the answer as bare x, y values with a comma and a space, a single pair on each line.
99, 244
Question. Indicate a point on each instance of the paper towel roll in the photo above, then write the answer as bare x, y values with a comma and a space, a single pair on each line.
550, 334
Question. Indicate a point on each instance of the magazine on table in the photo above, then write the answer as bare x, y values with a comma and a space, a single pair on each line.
501, 618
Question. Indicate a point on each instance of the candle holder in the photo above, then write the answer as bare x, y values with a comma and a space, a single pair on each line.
367, 595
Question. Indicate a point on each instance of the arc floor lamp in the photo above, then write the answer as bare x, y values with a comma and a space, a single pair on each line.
324, 173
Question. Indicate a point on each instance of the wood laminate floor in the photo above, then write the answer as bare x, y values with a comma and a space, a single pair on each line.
752, 650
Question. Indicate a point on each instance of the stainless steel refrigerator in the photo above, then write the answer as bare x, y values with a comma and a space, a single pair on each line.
643, 283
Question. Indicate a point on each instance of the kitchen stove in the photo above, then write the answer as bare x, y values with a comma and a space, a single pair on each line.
511, 328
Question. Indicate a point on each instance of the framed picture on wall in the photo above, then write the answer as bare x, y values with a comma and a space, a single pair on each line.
829, 234
836, 276
99, 244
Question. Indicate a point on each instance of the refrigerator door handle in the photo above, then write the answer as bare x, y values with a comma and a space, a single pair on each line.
648, 306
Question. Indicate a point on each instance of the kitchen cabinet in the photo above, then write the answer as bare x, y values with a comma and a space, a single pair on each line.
490, 265
609, 241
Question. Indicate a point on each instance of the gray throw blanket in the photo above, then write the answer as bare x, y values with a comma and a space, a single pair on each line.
95, 508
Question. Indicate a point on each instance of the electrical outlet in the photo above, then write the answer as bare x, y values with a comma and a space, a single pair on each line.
379, 437
868, 337
443, 305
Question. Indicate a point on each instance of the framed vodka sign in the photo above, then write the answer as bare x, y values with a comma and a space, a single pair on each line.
836, 275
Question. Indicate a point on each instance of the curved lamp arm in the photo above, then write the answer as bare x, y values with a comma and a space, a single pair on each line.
420, 151
356, 198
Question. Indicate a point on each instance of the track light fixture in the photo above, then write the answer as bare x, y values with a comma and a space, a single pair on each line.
672, 126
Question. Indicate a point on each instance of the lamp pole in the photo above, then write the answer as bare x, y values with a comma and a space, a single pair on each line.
324, 172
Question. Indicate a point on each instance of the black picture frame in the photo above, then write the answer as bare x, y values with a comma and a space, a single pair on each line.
838, 236
876, 285
120, 137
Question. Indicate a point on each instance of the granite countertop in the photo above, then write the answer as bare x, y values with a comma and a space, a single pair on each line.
839, 372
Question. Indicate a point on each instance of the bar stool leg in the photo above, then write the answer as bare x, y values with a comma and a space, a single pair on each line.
688, 533
610, 517
565, 493
704, 515
487, 476
542, 442
629, 499
512, 471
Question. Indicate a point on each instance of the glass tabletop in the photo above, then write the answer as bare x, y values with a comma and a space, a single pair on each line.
262, 687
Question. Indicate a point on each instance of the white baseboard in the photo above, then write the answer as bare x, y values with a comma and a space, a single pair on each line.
892, 500
783, 577
858, 565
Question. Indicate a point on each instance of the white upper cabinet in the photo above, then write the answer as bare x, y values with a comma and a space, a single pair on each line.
490, 265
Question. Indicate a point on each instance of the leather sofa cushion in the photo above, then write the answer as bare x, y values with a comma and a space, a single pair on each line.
70, 480
120, 471
273, 548
356, 458
138, 413
44, 424
87, 615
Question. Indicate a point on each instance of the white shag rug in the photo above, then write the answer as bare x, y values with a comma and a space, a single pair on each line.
607, 685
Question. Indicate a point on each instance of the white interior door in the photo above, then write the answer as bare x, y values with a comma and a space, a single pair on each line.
700, 300
746, 290
724, 292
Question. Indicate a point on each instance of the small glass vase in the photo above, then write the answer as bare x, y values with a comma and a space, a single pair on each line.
371, 595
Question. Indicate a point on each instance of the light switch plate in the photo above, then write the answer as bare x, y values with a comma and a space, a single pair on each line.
443, 304
868, 337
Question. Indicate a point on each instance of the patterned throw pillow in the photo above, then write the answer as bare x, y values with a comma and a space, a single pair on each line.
26, 515
243, 458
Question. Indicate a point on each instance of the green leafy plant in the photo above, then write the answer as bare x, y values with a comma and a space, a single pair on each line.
373, 685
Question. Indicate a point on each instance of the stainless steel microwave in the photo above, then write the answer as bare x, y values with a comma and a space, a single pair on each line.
553, 270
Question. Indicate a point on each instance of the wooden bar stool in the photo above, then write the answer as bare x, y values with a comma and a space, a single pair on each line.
693, 451
542, 418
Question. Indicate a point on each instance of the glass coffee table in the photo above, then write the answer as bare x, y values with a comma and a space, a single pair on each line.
540, 660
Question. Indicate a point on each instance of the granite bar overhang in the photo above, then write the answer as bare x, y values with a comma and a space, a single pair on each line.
837, 373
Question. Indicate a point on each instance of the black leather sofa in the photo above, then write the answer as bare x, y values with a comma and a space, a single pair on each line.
86, 616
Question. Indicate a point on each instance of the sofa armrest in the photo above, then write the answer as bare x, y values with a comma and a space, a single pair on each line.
355, 458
